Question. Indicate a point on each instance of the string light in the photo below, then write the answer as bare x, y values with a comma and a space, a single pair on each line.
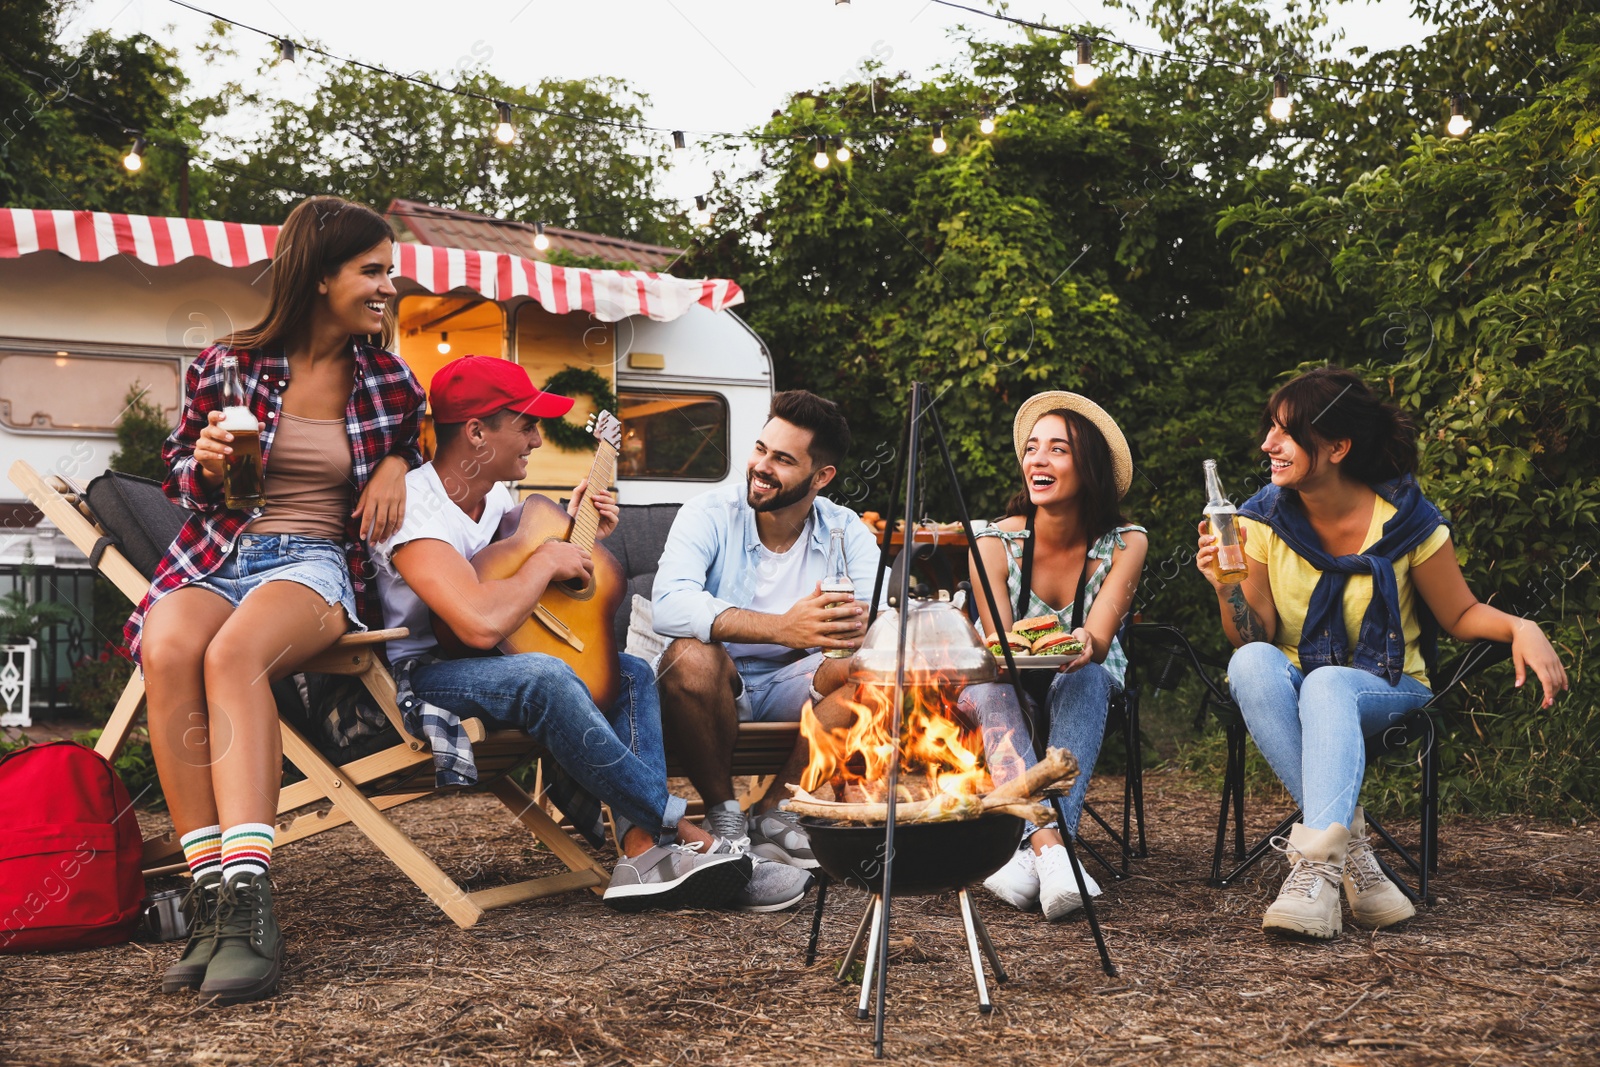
135, 157
678, 143
939, 144
702, 213
841, 151
540, 241
1459, 123
504, 132
820, 159
1281, 104
286, 50
1083, 72
444, 343
986, 122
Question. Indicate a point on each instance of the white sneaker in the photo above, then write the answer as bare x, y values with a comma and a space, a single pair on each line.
1016, 883
1058, 889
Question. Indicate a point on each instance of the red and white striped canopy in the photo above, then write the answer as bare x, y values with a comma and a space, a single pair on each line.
609, 295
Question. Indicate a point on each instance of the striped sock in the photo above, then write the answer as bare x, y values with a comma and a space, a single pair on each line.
202, 850
247, 850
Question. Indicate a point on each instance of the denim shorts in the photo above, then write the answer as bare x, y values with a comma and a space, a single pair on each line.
315, 562
775, 691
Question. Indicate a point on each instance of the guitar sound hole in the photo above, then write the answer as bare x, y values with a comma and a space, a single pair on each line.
574, 587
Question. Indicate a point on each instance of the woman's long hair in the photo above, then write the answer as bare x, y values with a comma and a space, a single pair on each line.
1331, 404
320, 235
1098, 506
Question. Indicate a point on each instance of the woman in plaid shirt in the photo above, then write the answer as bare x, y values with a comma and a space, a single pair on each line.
243, 597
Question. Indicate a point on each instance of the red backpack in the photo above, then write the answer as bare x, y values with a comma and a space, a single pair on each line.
70, 850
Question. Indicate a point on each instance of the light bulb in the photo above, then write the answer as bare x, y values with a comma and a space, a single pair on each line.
1281, 104
820, 159
1459, 124
286, 50
986, 123
134, 159
504, 132
678, 143
444, 344
540, 241
939, 144
1084, 72
841, 151
701, 216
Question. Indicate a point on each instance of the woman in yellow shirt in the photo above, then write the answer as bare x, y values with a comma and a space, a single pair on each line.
1328, 632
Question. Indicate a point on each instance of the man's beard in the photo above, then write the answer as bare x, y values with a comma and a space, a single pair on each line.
780, 500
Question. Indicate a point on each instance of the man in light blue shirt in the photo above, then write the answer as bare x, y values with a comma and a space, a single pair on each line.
739, 590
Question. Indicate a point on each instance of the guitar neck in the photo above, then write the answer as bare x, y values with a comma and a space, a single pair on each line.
601, 474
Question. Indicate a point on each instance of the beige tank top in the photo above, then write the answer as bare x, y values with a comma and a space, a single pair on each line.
308, 479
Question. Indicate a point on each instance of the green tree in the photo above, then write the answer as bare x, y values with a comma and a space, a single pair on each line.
372, 138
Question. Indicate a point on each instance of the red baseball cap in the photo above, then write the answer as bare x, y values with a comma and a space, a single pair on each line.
473, 387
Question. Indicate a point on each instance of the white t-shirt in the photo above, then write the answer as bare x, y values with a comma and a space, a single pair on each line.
430, 513
780, 584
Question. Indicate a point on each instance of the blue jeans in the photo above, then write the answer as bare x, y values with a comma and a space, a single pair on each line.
617, 756
1312, 728
1078, 704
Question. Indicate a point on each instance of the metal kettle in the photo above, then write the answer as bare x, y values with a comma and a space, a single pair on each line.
941, 646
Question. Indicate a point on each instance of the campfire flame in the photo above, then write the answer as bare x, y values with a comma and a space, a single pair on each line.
942, 754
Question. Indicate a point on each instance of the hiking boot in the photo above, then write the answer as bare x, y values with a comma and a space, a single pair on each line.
1374, 899
678, 876
1058, 888
200, 908
778, 835
1308, 903
773, 886
248, 957
1017, 883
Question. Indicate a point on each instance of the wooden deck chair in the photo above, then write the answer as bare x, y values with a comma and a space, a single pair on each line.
359, 791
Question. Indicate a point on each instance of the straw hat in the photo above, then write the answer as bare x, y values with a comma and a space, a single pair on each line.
1040, 403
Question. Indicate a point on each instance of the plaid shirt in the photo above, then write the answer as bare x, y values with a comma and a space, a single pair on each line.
383, 417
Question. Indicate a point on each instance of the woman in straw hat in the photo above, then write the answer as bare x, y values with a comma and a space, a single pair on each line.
1067, 558
1343, 552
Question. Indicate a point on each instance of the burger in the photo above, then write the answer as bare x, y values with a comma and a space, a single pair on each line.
1020, 646
1059, 643
1031, 630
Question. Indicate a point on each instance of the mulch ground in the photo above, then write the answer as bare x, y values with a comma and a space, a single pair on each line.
1502, 971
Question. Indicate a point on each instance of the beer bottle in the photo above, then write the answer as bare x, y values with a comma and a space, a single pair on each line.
1223, 517
243, 481
837, 580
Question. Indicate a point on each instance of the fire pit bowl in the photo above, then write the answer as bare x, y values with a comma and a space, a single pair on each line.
930, 857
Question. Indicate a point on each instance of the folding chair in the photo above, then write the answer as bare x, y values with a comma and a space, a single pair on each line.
1417, 726
360, 791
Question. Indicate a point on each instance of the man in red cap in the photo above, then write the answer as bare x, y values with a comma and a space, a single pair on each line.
486, 415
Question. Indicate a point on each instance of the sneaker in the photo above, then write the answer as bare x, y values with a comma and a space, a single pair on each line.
1017, 883
726, 823
677, 876
773, 886
778, 835
1058, 888
200, 907
1374, 899
1308, 903
248, 955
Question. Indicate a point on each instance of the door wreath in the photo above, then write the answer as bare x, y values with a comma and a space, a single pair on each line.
577, 381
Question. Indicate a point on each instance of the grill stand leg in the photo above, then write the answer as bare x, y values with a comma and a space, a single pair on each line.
870, 967
816, 919
1083, 891
855, 942
974, 952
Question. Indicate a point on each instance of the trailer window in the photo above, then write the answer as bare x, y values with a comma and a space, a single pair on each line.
73, 394
673, 436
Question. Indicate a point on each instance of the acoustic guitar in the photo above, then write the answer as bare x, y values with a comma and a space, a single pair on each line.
573, 620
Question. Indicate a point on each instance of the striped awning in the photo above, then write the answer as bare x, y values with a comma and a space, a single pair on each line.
609, 295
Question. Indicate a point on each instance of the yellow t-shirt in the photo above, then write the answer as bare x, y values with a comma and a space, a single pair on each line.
1293, 580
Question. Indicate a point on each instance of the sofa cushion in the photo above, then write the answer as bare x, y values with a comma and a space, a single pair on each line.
637, 542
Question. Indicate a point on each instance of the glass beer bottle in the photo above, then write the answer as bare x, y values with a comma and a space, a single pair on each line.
838, 581
1223, 516
243, 482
